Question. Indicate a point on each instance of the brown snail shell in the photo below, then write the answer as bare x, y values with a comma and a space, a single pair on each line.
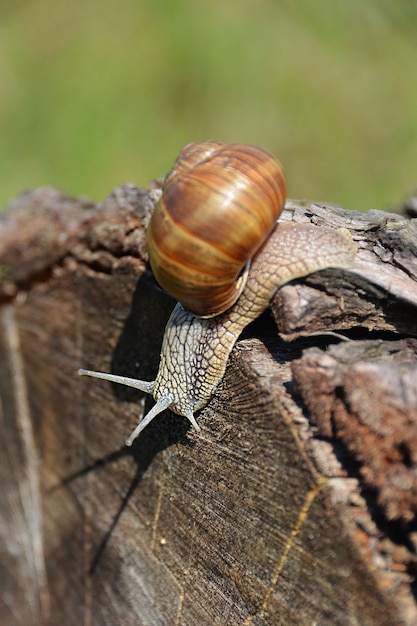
220, 202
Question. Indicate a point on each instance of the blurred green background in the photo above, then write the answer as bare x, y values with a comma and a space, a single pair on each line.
97, 93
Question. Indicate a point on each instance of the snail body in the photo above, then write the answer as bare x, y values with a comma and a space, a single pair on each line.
195, 349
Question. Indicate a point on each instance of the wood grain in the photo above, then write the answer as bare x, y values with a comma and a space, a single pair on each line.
294, 505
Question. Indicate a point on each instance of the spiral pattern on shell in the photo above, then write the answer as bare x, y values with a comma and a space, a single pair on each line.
220, 202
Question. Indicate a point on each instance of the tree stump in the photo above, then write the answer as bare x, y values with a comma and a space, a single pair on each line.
295, 504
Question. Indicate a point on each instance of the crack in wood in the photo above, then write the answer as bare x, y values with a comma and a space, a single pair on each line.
281, 563
157, 514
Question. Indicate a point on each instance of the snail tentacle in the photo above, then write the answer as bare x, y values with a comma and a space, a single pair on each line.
162, 404
141, 385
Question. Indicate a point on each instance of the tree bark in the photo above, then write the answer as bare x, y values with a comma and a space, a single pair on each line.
297, 501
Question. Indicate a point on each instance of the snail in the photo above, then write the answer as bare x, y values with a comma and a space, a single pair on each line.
215, 245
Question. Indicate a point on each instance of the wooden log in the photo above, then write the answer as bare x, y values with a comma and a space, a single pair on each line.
296, 504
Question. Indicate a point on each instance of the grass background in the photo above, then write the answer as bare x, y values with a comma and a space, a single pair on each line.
97, 93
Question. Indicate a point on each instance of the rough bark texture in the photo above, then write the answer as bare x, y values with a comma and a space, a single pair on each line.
297, 502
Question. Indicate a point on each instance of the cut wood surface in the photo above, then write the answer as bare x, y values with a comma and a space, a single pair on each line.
296, 504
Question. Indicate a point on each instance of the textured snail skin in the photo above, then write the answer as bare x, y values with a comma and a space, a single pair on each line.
195, 351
